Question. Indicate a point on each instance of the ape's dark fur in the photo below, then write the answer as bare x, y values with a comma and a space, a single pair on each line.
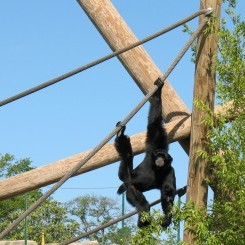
155, 171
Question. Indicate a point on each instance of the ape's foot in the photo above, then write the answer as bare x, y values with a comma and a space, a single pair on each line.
122, 188
144, 217
166, 221
142, 224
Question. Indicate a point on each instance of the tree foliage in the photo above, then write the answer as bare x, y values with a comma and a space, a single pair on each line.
152, 234
224, 223
92, 211
51, 217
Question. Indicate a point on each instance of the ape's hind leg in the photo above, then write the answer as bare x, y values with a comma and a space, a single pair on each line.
167, 200
124, 149
138, 200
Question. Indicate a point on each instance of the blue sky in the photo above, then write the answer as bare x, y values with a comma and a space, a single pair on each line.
41, 40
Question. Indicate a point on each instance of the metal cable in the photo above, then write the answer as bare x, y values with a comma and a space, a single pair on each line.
107, 138
98, 61
112, 222
179, 192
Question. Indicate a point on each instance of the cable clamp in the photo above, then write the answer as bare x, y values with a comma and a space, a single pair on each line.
209, 11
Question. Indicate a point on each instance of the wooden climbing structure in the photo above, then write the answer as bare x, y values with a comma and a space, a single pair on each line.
183, 126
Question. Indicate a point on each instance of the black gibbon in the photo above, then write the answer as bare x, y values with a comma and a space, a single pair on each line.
155, 171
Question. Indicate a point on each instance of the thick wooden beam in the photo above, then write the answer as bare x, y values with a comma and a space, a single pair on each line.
50, 173
204, 88
137, 62
53, 172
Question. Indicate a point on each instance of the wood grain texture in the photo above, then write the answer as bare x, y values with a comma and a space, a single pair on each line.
204, 91
137, 61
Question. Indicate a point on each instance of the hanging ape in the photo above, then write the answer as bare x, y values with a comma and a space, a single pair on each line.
155, 171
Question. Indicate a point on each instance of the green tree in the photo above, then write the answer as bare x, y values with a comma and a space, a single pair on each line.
92, 211
9, 166
152, 234
224, 220
51, 217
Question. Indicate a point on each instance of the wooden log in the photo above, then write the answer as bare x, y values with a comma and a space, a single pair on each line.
50, 173
204, 86
137, 62
53, 172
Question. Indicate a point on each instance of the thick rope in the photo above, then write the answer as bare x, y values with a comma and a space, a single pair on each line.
112, 222
179, 192
98, 61
107, 138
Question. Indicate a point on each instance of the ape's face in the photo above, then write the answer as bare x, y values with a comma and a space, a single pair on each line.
162, 158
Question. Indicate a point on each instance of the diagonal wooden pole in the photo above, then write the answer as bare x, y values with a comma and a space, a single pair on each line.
137, 62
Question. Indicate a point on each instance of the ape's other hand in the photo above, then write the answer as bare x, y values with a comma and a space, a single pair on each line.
120, 133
